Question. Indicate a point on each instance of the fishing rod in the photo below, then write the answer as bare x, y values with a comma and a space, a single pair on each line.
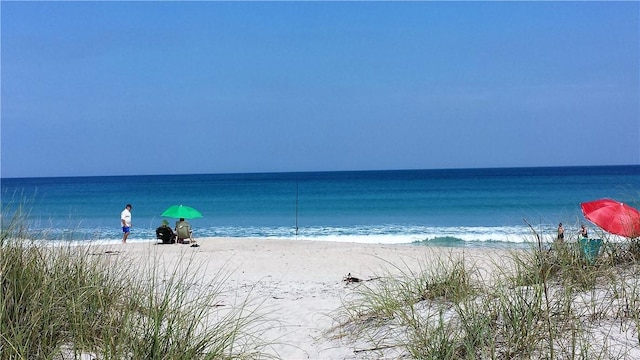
296, 208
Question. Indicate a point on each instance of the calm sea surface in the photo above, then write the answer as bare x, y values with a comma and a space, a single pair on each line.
464, 207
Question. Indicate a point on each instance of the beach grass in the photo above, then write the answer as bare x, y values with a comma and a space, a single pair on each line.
551, 303
65, 302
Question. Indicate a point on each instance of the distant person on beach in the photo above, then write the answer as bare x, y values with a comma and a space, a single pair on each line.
560, 233
125, 219
165, 233
583, 232
183, 229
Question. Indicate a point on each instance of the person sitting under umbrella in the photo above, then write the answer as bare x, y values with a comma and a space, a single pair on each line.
165, 233
183, 229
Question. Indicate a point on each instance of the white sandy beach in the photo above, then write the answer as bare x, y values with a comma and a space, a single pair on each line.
297, 283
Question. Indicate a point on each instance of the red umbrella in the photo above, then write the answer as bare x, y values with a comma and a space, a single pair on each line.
613, 216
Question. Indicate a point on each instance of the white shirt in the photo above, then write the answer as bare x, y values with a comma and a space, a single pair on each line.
126, 216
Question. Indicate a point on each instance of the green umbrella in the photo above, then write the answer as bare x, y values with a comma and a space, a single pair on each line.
181, 211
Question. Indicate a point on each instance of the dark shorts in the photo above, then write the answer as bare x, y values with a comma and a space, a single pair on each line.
126, 229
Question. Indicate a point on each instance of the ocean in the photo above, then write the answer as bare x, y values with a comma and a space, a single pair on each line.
453, 207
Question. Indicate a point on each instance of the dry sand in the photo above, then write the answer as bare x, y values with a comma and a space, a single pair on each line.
297, 283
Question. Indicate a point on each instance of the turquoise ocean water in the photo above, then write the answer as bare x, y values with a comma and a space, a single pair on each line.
463, 207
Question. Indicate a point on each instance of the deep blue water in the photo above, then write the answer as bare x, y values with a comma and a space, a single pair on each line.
456, 207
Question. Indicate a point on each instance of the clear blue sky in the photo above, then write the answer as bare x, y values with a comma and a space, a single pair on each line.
119, 88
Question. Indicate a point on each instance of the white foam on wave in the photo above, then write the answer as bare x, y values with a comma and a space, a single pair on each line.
378, 234
391, 234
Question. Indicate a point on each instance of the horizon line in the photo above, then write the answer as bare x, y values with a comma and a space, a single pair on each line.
326, 171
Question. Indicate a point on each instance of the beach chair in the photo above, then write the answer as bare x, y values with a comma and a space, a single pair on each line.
590, 249
184, 232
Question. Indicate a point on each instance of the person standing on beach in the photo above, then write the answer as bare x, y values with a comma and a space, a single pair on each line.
125, 219
560, 233
583, 232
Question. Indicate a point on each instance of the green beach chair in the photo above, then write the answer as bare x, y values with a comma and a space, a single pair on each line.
589, 248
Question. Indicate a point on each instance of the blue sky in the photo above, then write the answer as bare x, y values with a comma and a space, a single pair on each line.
124, 88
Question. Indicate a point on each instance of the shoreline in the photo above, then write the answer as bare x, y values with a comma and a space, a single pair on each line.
413, 234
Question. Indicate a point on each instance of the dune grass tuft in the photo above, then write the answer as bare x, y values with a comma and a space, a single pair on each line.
550, 303
64, 301
404, 307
